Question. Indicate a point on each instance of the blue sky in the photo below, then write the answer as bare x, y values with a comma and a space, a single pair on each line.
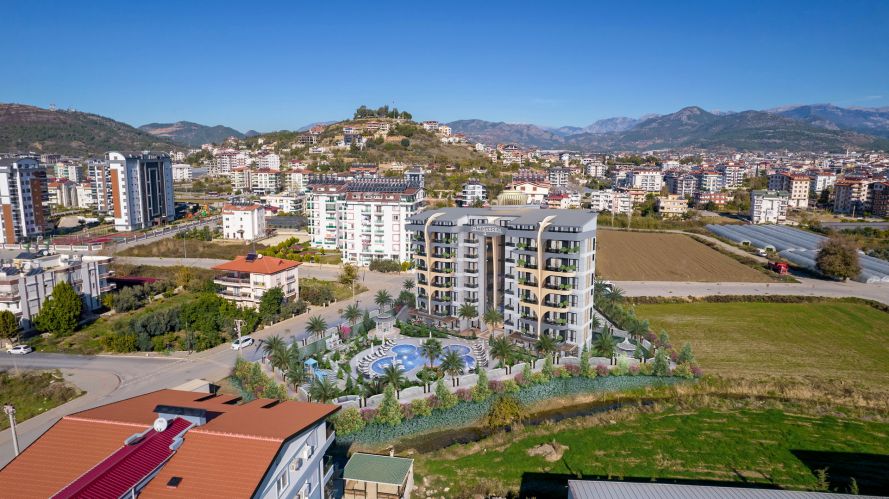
274, 65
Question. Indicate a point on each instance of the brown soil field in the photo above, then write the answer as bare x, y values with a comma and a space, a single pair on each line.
654, 256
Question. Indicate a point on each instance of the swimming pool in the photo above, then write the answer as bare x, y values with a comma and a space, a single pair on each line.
408, 358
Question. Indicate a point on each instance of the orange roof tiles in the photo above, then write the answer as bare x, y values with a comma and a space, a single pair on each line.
267, 265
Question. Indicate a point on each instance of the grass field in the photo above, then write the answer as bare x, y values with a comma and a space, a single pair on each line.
179, 248
767, 446
832, 339
33, 393
652, 256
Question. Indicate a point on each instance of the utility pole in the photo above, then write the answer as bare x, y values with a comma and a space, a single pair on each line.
238, 323
9, 409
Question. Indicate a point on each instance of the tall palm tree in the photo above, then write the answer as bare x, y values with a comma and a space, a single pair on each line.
545, 345
392, 376
408, 284
604, 344
615, 295
502, 350
407, 298
493, 317
352, 314
317, 325
323, 391
296, 373
596, 323
279, 359
273, 345
452, 364
431, 349
383, 299
467, 311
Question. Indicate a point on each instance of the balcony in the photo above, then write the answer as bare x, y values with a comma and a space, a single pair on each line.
528, 299
562, 269
471, 271
232, 280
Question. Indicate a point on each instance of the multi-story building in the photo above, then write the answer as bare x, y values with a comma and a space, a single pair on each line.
182, 172
364, 218
294, 180
558, 176
28, 281
62, 192
535, 265
646, 180
681, 184
142, 189
768, 207
473, 192
266, 181
242, 179
709, 181
271, 161
180, 443
243, 221
24, 209
595, 169
797, 186
287, 202
852, 196
68, 170
99, 176
85, 195
819, 180
880, 199
617, 202
702, 199
732, 176
672, 206
247, 278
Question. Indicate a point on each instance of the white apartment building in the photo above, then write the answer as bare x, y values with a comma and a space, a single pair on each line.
68, 170
99, 176
617, 202
473, 192
271, 161
182, 172
287, 202
29, 279
294, 180
242, 179
798, 186
681, 184
364, 219
62, 192
595, 169
85, 195
820, 180
266, 181
24, 209
558, 177
709, 181
536, 192
243, 221
768, 207
142, 189
247, 278
647, 180
732, 176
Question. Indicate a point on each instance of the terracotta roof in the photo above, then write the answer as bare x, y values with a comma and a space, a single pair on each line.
226, 457
267, 265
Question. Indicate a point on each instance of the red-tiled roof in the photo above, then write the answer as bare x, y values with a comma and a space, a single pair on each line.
266, 265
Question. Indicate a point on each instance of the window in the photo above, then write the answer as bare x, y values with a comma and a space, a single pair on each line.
281, 483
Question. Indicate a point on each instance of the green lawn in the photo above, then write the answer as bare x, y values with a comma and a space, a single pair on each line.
33, 392
761, 446
832, 339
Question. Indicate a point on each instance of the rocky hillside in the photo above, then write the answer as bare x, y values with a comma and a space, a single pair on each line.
33, 129
192, 134
872, 121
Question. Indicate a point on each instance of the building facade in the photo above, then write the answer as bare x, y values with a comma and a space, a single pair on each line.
246, 279
243, 221
537, 266
24, 198
768, 207
797, 186
473, 192
142, 189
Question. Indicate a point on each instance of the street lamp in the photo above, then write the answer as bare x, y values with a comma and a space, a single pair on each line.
9, 409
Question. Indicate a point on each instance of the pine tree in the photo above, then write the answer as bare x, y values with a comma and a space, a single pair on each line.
390, 409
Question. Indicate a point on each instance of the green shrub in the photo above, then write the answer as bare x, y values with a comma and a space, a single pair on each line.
390, 409
446, 399
349, 421
683, 371
505, 411
660, 366
421, 408
481, 391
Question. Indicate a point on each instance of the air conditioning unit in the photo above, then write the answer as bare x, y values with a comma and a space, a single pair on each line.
294, 465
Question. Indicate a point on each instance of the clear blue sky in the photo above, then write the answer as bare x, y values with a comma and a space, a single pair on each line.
281, 65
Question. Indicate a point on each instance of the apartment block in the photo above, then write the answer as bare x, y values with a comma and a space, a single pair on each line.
768, 207
99, 176
558, 176
672, 206
142, 189
473, 192
681, 184
246, 279
182, 172
709, 181
732, 176
797, 186
28, 280
62, 192
852, 196
24, 209
243, 221
646, 180
537, 266
880, 202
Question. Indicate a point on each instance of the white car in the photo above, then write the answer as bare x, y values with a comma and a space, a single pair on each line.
243, 342
20, 350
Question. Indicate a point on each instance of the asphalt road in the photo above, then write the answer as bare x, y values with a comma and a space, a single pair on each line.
112, 378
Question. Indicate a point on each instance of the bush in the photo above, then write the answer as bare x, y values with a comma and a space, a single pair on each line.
421, 408
481, 391
683, 371
602, 370
646, 369
505, 411
368, 414
464, 394
446, 399
385, 266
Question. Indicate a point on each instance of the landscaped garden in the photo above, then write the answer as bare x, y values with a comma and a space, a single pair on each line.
293, 249
33, 393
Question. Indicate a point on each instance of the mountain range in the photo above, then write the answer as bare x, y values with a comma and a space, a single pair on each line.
194, 134
795, 128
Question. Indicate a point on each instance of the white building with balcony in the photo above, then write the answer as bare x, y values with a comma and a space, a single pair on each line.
243, 221
246, 279
768, 207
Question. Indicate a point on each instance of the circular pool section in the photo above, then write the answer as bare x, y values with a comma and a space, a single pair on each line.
407, 357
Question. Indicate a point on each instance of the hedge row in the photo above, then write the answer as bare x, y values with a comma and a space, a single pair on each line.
655, 300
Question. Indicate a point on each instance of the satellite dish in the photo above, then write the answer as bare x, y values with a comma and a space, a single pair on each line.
160, 424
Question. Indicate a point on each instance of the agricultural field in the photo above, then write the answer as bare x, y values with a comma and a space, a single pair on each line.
653, 256
828, 340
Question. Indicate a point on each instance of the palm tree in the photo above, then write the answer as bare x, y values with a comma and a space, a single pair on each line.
431, 349
452, 364
468, 312
407, 299
279, 359
545, 345
273, 345
596, 323
296, 373
352, 313
392, 376
383, 299
493, 317
317, 325
408, 284
502, 350
323, 391
604, 344
614, 295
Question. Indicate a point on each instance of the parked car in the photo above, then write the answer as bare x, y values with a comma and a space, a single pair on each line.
243, 342
20, 350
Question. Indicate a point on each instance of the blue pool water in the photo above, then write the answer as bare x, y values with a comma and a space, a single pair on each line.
408, 358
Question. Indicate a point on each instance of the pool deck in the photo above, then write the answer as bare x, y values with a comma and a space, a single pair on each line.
399, 339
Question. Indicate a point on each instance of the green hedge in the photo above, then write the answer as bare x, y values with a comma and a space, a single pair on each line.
467, 412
